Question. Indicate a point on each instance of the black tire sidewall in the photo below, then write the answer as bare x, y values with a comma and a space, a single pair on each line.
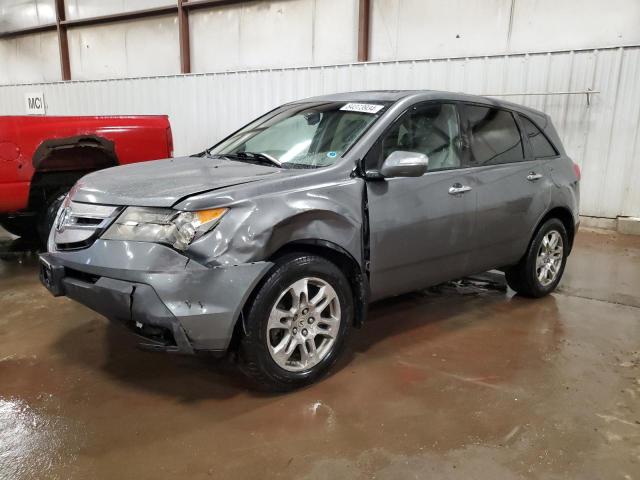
537, 289
255, 355
21, 227
48, 216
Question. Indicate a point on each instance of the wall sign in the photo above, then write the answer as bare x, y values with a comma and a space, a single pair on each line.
34, 103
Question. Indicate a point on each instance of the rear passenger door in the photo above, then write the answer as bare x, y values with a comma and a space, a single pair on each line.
512, 189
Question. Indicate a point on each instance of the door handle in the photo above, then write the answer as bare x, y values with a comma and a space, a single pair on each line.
533, 176
457, 188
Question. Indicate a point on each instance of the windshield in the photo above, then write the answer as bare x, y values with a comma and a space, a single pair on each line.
303, 135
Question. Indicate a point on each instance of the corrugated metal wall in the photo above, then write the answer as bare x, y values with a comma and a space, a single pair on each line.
602, 137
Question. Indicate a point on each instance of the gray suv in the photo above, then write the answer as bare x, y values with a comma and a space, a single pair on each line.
272, 243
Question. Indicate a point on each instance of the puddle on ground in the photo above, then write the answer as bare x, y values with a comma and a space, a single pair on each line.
33, 444
17, 257
18, 250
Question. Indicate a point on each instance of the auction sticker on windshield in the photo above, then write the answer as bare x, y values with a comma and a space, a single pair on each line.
362, 107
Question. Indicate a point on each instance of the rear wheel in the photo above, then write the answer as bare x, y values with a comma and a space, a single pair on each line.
541, 269
297, 324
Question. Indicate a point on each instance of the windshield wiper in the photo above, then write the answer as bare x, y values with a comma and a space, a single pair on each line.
261, 157
255, 157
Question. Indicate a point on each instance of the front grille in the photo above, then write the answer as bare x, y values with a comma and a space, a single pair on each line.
77, 225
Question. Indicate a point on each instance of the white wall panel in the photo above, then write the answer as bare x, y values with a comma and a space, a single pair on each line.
450, 28
252, 35
30, 58
18, 14
551, 24
601, 137
335, 31
276, 33
132, 48
94, 8
438, 28
215, 39
273, 34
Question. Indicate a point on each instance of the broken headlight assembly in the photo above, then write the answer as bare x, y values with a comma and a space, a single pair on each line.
163, 225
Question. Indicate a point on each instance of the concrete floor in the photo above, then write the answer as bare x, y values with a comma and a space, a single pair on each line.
456, 383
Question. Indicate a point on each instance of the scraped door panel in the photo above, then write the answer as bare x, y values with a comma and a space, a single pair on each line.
509, 206
512, 189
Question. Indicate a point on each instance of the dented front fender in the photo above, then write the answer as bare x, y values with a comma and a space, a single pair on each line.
255, 228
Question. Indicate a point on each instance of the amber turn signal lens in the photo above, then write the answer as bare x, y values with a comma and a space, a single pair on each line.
206, 216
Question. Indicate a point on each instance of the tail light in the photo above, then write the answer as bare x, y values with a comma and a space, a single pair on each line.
576, 168
169, 142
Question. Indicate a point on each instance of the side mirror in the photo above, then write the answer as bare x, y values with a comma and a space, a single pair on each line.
404, 164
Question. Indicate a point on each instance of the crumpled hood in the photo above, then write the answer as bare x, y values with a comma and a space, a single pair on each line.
162, 183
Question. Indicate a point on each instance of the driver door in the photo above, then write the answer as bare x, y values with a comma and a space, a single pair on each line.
421, 228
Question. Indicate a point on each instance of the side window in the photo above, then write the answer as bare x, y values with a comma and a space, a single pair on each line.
539, 143
430, 129
494, 137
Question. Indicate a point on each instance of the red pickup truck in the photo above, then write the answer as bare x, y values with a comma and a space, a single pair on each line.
42, 157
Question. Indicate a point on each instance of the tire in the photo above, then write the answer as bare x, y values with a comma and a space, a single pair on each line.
24, 227
540, 270
265, 329
48, 215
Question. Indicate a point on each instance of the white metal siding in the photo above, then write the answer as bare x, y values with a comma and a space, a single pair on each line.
30, 58
602, 138
427, 28
130, 48
282, 33
273, 34
18, 14
95, 8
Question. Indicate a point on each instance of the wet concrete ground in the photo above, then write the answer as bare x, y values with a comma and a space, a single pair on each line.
460, 382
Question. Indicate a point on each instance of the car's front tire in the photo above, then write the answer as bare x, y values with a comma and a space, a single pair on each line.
296, 324
540, 270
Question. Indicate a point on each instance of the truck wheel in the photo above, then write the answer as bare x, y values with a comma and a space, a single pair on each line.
24, 227
541, 269
48, 215
297, 324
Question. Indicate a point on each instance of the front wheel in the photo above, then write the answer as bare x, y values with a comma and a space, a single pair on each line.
297, 324
541, 269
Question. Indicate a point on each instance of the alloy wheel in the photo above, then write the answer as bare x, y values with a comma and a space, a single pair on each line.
303, 324
549, 258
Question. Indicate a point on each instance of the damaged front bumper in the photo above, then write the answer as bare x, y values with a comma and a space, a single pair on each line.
175, 303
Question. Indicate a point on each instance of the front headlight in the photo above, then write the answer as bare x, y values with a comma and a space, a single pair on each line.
163, 225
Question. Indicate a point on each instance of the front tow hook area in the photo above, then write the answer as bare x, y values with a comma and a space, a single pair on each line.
153, 339
152, 320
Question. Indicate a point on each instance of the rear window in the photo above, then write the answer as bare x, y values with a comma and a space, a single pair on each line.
539, 143
493, 136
